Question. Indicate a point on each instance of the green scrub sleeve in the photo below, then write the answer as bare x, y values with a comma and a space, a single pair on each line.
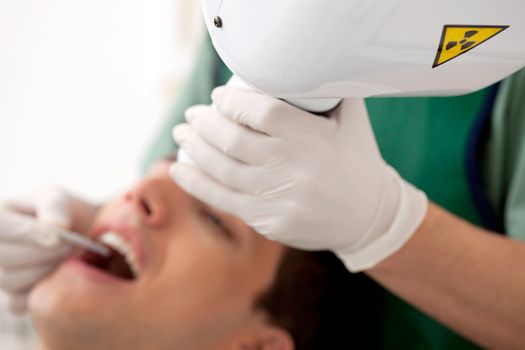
504, 168
208, 72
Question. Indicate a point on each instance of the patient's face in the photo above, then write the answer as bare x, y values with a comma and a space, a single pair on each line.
200, 272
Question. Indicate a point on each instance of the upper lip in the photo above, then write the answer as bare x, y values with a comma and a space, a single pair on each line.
130, 234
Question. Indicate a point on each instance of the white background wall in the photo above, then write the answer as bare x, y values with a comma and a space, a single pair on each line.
84, 86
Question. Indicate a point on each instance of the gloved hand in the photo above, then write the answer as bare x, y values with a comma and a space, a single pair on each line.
310, 182
29, 247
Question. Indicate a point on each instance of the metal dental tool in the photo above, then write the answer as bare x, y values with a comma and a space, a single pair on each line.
79, 240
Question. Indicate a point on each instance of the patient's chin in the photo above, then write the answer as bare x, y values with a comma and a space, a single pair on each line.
46, 311
55, 302
43, 297
48, 306
60, 317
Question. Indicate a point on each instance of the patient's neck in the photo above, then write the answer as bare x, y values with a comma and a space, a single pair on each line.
48, 339
63, 344
46, 346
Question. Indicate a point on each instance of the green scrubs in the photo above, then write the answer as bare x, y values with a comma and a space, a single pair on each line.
425, 139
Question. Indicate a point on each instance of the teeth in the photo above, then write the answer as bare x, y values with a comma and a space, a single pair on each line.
118, 243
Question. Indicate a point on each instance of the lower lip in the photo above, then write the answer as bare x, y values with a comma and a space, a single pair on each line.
92, 273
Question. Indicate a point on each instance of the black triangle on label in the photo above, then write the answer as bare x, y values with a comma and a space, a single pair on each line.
466, 45
471, 33
451, 45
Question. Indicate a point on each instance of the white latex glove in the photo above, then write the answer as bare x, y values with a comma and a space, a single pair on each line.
310, 182
29, 247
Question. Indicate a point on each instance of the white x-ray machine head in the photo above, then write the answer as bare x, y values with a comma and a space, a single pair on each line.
315, 52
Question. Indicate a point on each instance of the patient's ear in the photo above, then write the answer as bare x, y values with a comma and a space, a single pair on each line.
269, 338
277, 339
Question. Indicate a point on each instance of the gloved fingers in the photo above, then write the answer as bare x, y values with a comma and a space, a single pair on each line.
239, 142
204, 188
18, 255
268, 115
19, 280
82, 214
17, 303
353, 119
24, 204
49, 206
16, 227
227, 171
355, 129
53, 208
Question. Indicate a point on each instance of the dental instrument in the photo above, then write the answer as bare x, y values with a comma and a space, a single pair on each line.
79, 240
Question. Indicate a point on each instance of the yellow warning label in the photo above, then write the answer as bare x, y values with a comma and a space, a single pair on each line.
459, 39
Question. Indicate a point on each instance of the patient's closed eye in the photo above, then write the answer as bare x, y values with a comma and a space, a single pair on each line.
217, 223
214, 219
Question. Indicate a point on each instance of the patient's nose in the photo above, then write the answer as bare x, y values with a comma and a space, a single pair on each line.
148, 202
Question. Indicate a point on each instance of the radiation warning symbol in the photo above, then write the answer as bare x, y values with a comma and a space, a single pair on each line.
459, 39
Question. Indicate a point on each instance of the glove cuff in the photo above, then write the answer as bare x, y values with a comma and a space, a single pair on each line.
410, 213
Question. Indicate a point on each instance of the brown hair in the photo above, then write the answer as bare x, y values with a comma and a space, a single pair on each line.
321, 304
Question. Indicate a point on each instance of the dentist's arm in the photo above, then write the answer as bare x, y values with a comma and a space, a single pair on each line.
316, 183
470, 279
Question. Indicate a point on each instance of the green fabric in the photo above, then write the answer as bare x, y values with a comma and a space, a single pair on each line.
410, 134
504, 168
205, 76
424, 139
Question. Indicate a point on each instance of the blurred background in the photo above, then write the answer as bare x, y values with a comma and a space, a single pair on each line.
84, 87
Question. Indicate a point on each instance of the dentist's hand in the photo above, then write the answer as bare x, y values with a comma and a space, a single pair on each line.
29, 247
310, 182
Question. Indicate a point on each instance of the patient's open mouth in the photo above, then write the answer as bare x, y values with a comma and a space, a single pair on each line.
121, 263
